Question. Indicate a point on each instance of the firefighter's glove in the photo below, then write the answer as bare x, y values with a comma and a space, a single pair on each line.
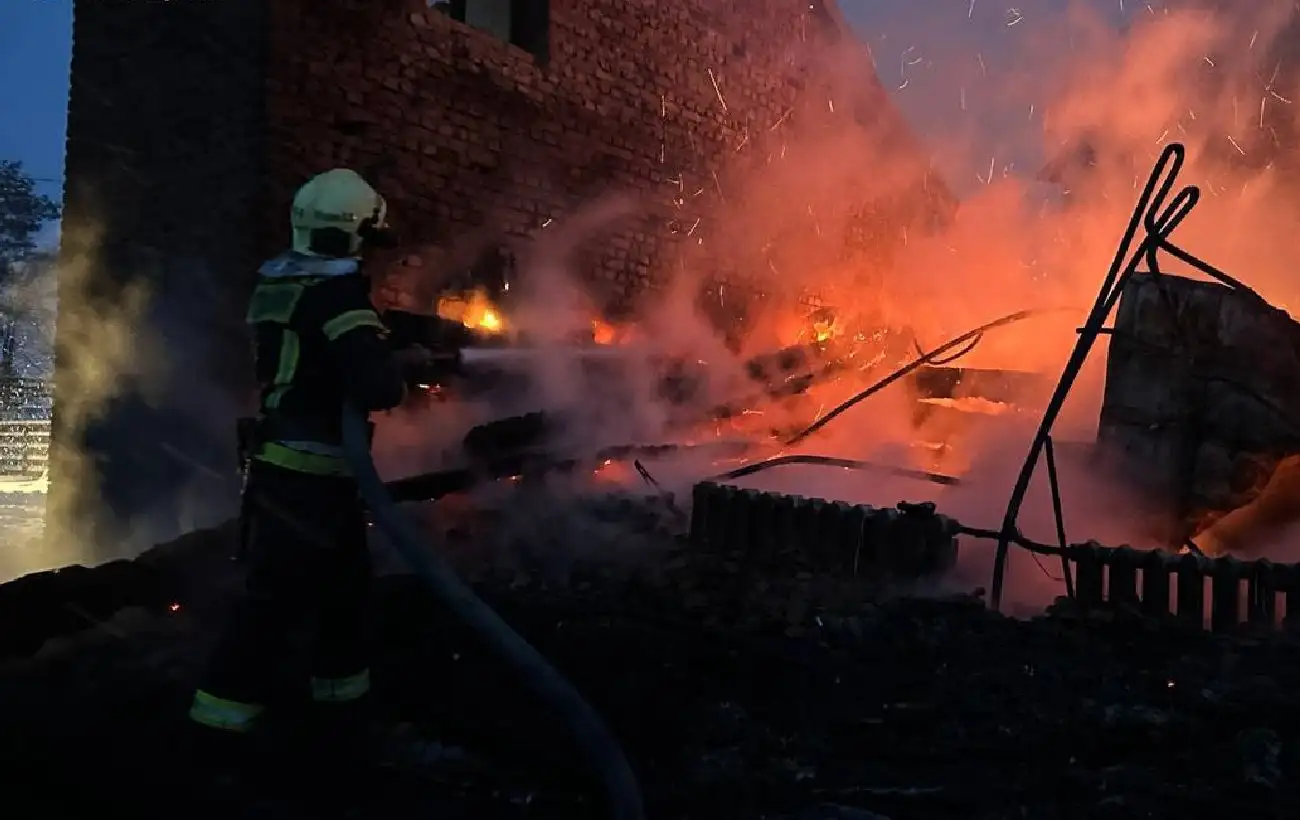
417, 364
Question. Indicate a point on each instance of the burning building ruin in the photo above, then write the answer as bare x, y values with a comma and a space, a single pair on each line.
190, 123
735, 657
553, 180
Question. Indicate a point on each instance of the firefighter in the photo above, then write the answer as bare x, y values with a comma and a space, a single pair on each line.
297, 632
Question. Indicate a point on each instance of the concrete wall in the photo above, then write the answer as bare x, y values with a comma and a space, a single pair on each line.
164, 168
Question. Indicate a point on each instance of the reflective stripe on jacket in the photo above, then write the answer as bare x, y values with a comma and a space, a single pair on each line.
227, 715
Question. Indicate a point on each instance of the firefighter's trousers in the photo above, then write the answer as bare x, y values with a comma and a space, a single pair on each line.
300, 626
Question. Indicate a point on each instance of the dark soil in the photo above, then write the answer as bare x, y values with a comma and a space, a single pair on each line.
736, 694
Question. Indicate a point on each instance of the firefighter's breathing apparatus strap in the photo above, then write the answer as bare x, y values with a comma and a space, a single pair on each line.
593, 738
351, 320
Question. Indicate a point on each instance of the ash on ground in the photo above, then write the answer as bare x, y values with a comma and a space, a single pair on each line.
549, 530
738, 691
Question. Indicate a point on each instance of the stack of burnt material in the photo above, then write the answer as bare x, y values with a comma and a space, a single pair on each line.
680, 385
1202, 397
952, 403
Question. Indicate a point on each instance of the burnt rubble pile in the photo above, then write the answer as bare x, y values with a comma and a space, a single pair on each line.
740, 689
1201, 400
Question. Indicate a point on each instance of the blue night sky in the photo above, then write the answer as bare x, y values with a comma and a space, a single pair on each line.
35, 48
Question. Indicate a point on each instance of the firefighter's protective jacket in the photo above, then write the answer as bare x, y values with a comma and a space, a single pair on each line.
318, 343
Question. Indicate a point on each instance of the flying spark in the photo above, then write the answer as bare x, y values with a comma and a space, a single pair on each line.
718, 91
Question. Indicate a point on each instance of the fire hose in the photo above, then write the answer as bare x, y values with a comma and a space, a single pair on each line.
594, 739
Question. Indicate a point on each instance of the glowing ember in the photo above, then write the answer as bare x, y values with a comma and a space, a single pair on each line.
818, 327
824, 331
970, 404
825, 324
603, 333
613, 471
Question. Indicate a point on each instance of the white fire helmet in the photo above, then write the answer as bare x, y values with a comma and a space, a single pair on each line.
337, 200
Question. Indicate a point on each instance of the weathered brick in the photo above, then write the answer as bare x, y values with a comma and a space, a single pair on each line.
615, 64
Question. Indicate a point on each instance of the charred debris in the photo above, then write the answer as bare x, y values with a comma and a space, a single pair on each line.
742, 683
1200, 412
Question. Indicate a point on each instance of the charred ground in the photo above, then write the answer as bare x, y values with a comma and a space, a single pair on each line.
737, 692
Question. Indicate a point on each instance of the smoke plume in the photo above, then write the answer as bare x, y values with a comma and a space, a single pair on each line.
98, 358
1043, 121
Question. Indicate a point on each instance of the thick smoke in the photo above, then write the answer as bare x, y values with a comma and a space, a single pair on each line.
98, 357
144, 341
835, 204
1044, 121
28, 304
1095, 102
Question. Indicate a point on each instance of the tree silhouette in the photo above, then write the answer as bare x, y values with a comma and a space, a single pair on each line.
23, 212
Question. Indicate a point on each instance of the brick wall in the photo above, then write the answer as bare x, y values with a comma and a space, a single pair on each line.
464, 130
164, 170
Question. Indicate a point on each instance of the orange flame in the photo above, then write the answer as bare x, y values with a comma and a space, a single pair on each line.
612, 471
475, 311
603, 333
825, 331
